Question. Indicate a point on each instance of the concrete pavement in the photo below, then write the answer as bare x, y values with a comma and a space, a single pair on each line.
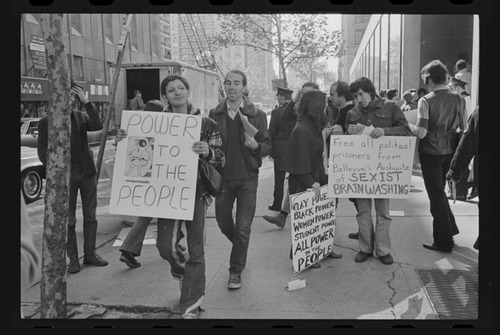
340, 291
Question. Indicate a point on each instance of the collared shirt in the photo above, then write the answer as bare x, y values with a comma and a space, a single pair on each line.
231, 112
347, 103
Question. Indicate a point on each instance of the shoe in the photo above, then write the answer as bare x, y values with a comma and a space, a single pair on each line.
190, 316
129, 259
278, 220
353, 236
74, 265
362, 256
234, 281
386, 259
476, 244
274, 208
94, 259
473, 194
436, 248
315, 266
333, 254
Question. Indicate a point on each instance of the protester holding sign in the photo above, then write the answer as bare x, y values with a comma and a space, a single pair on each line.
440, 116
386, 118
303, 158
188, 266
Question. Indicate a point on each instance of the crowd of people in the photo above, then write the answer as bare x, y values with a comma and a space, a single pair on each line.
298, 141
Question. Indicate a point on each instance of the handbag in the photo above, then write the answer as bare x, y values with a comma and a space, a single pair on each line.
210, 177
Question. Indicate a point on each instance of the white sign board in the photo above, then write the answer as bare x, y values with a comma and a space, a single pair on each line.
155, 168
313, 227
363, 167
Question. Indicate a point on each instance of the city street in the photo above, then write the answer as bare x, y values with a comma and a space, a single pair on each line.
420, 285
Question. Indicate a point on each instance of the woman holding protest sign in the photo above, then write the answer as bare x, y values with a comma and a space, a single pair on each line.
181, 242
303, 157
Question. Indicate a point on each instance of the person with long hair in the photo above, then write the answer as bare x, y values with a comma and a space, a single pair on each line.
387, 119
181, 242
303, 158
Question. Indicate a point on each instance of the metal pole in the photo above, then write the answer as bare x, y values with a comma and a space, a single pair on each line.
116, 75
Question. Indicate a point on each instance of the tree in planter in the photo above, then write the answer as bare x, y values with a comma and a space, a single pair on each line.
289, 37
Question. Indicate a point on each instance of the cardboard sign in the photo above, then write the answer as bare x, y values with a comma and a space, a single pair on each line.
363, 167
313, 227
155, 168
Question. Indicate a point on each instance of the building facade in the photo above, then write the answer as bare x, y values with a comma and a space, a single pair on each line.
90, 41
353, 28
395, 47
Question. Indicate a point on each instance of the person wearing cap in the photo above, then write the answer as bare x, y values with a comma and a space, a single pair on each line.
460, 86
279, 132
82, 176
463, 73
410, 98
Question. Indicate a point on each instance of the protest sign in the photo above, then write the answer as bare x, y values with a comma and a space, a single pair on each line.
155, 168
360, 166
313, 227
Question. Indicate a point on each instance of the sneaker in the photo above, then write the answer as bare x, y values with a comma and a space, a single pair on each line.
94, 259
386, 259
334, 254
362, 256
129, 259
315, 266
234, 281
278, 220
74, 265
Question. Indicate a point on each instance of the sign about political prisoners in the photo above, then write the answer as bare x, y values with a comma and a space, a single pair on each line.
364, 167
313, 228
155, 168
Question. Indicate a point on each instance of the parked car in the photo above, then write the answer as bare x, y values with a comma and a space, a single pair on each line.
32, 174
29, 133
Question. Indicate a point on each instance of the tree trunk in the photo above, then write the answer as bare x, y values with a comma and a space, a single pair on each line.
53, 283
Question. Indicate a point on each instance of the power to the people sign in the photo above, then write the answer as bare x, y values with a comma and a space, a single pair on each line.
360, 166
155, 168
313, 228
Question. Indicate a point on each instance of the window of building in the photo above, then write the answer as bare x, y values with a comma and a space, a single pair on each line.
133, 35
384, 52
76, 24
362, 18
78, 68
358, 36
395, 51
95, 26
376, 58
108, 28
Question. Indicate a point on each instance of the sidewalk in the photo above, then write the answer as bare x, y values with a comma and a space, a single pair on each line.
420, 285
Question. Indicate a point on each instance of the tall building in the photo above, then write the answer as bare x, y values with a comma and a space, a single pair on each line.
91, 45
165, 36
191, 35
353, 28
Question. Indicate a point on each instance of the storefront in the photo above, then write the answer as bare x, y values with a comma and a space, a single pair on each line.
34, 97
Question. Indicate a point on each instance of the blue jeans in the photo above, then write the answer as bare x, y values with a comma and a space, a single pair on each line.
135, 237
182, 244
376, 239
237, 231
87, 185
434, 169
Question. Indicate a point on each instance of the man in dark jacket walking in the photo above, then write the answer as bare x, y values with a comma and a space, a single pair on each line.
279, 133
83, 177
245, 138
468, 148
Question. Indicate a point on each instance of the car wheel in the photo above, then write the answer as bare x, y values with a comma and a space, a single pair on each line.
31, 185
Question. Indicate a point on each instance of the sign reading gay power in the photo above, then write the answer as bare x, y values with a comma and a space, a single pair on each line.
155, 168
313, 228
364, 167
